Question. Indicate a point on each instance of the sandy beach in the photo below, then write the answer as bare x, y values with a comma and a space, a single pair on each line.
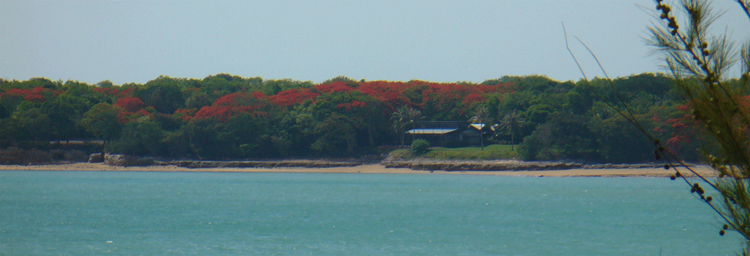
369, 168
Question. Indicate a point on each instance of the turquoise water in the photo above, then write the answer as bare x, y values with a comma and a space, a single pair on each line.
136, 213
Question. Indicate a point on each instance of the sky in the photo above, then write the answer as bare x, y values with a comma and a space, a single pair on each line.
315, 40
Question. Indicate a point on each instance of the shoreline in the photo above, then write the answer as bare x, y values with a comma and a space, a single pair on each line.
368, 169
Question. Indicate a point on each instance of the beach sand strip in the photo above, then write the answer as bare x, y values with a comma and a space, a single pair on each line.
369, 168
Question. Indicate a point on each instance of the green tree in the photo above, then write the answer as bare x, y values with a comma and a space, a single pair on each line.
419, 147
140, 138
412, 116
66, 112
564, 136
207, 140
399, 119
699, 61
510, 124
163, 93
102, 120
619, 141
33, 123
482, 117
336, 136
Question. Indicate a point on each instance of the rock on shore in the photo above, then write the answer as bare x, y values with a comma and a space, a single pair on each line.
13, 155
502, 165
498, 165
125, 160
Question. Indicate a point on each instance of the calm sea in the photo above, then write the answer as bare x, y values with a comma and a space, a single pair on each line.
138, 213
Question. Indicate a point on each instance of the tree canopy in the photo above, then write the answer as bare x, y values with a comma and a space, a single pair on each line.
226, 116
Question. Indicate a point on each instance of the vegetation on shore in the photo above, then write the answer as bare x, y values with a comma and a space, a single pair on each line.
230, 117
699, 60
490, 152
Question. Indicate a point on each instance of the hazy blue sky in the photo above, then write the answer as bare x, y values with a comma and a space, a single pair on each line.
437, 40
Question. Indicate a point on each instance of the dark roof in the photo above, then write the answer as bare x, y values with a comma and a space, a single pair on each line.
431, 131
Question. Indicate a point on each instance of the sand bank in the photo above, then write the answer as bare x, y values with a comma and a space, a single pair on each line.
368, 168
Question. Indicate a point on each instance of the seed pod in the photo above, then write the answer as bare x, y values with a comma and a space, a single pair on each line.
672, 23
726, 226
666, 167
721, 232
673, 177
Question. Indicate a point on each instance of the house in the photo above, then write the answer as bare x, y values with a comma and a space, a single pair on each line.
471, 134
436, 132
442, 132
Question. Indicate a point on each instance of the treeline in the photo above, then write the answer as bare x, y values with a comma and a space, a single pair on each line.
225, 116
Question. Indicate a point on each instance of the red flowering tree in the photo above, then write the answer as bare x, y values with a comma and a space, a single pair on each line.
36, 95
131, 104
337, 86
681, 129
185, 114
235, 104
293, 96
104, 121
391, 93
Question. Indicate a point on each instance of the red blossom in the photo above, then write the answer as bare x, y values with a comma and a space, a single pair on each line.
353, 104
259, 95
35, 95
131, 104
473, 98
292, 97
235, 104
337, 86
143, 112
391, 93
185, 114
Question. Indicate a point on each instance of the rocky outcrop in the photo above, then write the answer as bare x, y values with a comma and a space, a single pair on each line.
490, 165
126, 160
96, 158
13, 155
499, 165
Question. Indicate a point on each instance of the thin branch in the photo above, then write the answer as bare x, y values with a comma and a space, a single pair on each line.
609, 80
573, 55
744, 6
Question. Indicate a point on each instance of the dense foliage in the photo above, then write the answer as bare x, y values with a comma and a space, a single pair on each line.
419, 147
225, 116
699, 60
